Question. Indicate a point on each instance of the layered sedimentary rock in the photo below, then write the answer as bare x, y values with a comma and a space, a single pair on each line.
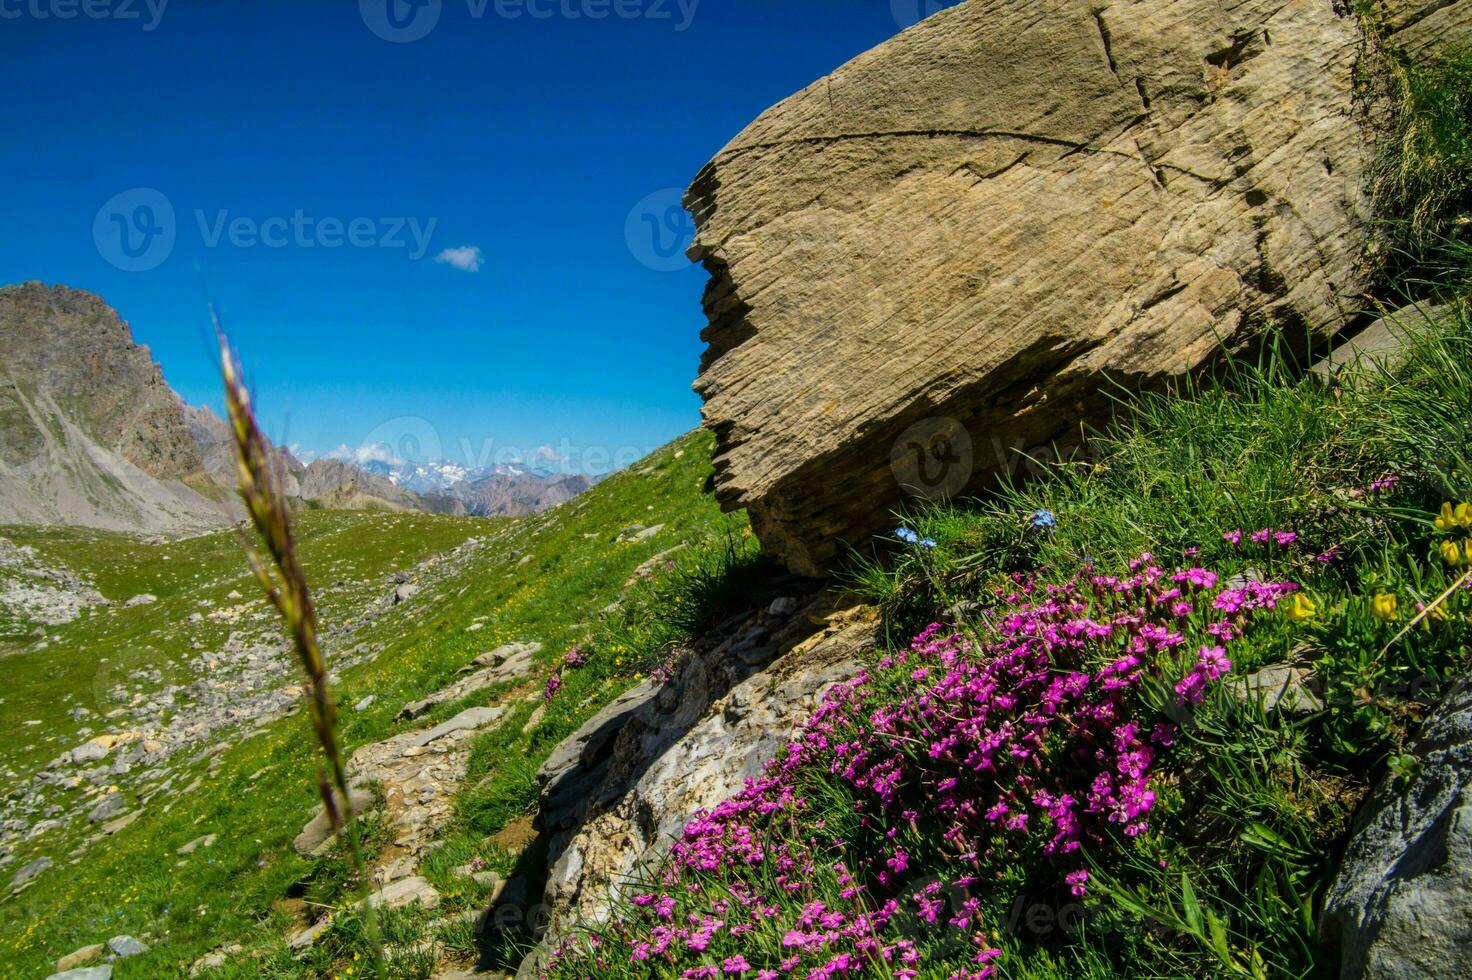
944, 255
616, 792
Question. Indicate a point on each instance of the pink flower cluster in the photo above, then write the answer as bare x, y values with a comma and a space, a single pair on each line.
571, 660
1265, 536
957, 756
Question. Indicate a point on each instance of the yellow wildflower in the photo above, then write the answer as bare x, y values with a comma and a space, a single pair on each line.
1447, 519
1299, 607
1464, 515
1384, 606
1451, 553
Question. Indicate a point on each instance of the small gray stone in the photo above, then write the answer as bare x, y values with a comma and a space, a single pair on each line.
110, 807
125, 946
121, 823
510, 658
468, 720
208, 840
319, 829
646, 533
757, 656
1280, 688
963, 609
1384, 342
405, 891
305, 938
103, 972
90, 752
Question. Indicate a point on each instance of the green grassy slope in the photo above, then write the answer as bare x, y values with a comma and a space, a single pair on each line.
546, 578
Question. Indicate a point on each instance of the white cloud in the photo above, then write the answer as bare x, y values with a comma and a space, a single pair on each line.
302, 455
466, 258
373, 452
547, 456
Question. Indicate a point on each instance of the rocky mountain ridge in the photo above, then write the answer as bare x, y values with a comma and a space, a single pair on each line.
89, 431
499, 490
91, 434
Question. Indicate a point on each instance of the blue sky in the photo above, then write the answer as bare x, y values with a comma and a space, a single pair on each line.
530, 145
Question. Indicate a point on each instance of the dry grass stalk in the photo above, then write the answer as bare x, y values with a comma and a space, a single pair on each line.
285, 585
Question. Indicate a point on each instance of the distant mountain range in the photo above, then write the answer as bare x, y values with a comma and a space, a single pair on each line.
501, 490
92, 435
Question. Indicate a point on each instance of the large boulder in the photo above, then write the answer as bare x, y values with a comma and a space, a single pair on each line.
1399, 905
948, 253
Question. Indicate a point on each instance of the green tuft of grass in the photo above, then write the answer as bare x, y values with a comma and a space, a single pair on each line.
1422, 176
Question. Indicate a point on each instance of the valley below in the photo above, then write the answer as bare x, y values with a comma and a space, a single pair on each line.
153, 703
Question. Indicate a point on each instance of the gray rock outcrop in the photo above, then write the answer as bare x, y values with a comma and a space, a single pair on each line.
1399, 905
620, 789
103, 972
945, 253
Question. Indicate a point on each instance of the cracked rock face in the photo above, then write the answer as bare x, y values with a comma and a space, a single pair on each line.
946, 252
617, 792
1399, 904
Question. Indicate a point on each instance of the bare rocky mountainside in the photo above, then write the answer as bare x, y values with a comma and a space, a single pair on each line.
1002, 212
212, 435
92, 435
